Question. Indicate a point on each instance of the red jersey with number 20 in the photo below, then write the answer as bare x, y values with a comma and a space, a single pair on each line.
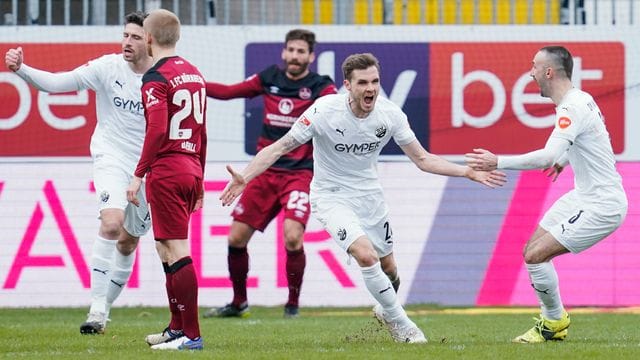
174, 99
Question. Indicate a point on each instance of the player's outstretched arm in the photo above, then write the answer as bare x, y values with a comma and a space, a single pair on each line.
485, 160
245, 89
263, 160
42, 80
434, 164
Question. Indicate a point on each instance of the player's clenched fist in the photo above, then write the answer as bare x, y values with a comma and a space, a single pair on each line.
13, 59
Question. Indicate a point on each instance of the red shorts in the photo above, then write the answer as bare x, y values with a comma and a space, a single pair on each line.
172, 200
273, 190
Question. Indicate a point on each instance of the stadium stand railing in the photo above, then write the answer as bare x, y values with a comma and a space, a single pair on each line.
359, 12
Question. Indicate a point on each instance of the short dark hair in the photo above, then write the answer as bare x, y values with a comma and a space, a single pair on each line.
136, 17
301, 34
561, 58
358, 62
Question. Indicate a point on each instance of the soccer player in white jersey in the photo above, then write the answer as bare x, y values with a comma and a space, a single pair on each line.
115, 148
349, 131
583, 216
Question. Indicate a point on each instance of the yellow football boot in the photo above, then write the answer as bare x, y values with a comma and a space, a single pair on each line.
545, 329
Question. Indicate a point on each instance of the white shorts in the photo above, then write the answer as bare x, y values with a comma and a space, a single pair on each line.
348, 219
577, 227
137, 219
111, 180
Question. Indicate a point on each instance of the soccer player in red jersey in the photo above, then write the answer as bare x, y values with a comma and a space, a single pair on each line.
287, 93
173, 160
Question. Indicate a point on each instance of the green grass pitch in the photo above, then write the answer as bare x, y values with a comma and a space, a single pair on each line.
320, 333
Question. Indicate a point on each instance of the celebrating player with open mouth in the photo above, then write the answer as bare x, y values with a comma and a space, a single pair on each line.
348, 132
583, 216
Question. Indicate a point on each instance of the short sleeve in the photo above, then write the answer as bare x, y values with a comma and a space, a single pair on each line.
310, 122
303, 129
403, 134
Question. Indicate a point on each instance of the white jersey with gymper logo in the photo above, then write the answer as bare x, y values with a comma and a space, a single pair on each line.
120, 124
346, 148
579, 120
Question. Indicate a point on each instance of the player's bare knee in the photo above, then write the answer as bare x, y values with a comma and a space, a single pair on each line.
110, 229
293, 235
293, 243
365, 258
532, 257
367, 261
237, 241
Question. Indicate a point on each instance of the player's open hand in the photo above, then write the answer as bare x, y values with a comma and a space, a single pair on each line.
482, 160
132, 190
553, 172
234, 187
13, 59
491, 179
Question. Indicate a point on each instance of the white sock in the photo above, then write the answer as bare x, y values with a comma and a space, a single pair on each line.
101, 258
380, 287
121, 269
544, 280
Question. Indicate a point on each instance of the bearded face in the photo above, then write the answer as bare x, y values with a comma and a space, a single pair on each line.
296, 57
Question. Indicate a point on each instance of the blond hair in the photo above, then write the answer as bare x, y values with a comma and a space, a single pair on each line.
163, 26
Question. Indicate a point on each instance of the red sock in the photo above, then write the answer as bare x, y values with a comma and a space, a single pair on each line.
238, 260
296, 262
176, 316
185, 287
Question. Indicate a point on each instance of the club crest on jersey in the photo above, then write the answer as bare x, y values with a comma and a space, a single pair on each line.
564, 122
381, 132
305, 121
285, 106
304, 93
104, 196
151, 99
342, 234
